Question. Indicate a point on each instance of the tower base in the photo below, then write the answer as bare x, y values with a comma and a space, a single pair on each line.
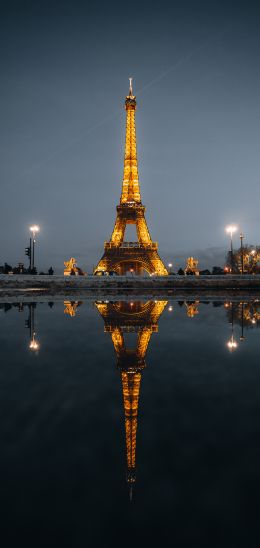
131, 257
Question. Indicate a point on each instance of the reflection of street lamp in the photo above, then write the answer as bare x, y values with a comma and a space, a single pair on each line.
33, 344
230, 230
34, 230
232, 344
242, 338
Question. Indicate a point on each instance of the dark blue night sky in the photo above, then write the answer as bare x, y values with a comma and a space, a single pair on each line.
64, 76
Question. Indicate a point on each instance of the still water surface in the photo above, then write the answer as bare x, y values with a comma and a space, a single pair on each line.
123, 423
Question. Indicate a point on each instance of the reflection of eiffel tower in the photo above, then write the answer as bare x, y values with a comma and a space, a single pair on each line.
141, 318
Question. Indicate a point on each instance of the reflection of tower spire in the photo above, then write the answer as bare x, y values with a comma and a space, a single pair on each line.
131, 389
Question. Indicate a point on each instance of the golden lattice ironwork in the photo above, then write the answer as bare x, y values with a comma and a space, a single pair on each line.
131, 389
141, 318
137, 256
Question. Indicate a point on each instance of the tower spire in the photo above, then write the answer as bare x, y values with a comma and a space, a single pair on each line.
131, 388
130, 186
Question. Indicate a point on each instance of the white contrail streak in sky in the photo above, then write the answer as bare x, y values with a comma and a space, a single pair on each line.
171, 69
154, 81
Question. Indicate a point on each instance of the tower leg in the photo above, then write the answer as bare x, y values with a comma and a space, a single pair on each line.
119, 231
142, 231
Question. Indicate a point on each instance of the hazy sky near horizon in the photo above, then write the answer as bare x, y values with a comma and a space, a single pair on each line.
64, 77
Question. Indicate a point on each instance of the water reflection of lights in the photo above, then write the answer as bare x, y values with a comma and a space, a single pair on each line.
232, 344
34, 345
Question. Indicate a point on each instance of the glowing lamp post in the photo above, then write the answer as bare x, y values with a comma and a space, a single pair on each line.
252, 254
34, 230
242, 252
170, 267
230, 230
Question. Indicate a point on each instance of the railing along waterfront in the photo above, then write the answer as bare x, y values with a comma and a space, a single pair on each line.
131, 245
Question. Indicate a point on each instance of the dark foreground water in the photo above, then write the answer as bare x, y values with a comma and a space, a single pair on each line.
64, 478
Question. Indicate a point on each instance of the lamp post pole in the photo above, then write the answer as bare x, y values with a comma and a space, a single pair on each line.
252, 254
34, 229
30, 255
242, 252
231, 252
230, 229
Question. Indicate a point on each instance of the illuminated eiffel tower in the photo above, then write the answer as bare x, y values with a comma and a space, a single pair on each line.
138, 256
141, 318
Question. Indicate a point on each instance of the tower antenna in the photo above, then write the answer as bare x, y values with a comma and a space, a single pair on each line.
130, 86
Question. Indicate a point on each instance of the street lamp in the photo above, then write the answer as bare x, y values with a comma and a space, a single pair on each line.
230, 230
242, 252
170, 266
252, 253
34, 230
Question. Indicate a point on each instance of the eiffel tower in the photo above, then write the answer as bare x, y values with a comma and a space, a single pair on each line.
126, 317
120, 256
